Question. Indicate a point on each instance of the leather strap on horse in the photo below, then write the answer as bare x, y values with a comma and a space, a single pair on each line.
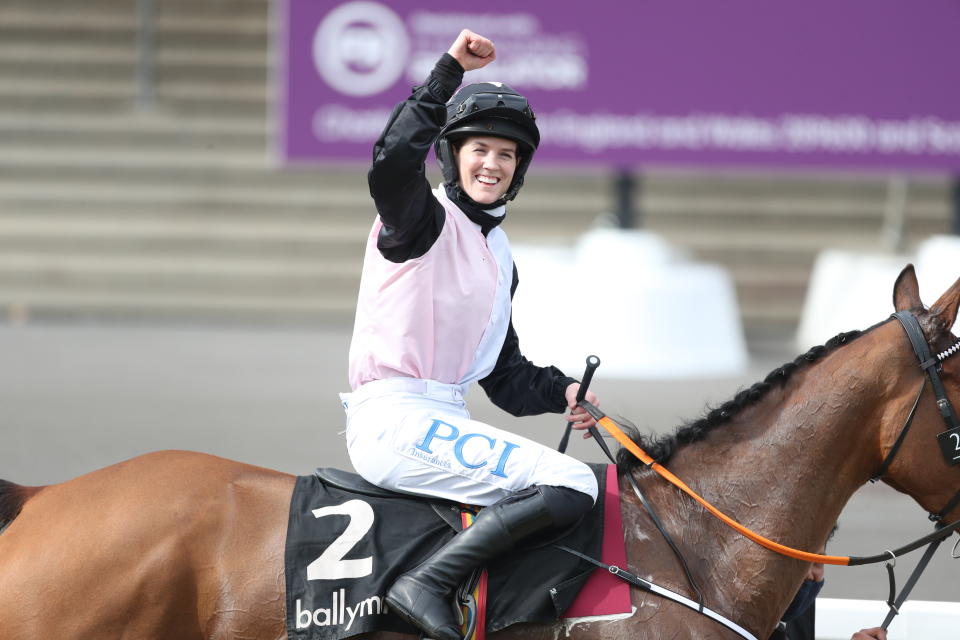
666, 536
646, 585
900, 438
895, 603
928, 363
611, 427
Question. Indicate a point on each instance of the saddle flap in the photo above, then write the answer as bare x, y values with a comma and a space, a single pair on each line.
353, 482
448, 511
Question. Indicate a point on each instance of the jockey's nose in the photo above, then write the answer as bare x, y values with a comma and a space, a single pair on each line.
491, 161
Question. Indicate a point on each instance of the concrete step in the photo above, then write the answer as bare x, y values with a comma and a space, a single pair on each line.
18, 62
152, 179
810, 223
65, 20
67, 17
103, 96
127, 123
65, 303
61, 5
171, 161
90, 26
160, 194
108, 235
35, 140
28, 54
744, 241
189, 275
217, 9
68, 87
201, 99
212, 23
782, 184
215, 58
227, 70
749, 209
171, 7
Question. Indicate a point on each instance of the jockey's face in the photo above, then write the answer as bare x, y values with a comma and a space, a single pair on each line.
487, 165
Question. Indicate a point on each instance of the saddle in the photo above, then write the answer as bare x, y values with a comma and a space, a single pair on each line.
348, 540
447, 510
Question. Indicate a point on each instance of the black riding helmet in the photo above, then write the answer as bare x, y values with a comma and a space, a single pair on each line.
488, 109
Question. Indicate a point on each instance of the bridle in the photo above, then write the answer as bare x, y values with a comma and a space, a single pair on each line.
931, 365
949, 442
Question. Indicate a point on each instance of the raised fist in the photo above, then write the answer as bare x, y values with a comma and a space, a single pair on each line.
472, 51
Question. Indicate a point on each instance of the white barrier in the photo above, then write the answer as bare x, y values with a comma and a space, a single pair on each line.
918, 619
852, 290
629, 298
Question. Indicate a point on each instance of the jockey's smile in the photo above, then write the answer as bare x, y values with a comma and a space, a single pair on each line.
486, 166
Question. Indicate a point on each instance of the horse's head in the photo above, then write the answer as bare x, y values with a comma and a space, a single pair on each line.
923, 464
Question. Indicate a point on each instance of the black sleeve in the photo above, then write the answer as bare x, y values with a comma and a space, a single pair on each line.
520, 387
412, 217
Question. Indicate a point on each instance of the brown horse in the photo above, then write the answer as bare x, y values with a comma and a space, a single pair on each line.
187, 546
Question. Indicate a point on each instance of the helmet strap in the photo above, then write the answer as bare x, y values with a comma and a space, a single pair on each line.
477, 213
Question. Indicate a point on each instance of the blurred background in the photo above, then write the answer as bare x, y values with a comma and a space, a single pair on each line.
183, 210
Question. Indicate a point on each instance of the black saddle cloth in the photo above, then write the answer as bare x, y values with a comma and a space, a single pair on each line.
348, 540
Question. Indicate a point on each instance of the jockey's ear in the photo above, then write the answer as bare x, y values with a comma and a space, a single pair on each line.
906, 291
945, 309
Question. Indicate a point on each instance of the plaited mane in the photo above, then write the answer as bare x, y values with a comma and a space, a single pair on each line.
663, 447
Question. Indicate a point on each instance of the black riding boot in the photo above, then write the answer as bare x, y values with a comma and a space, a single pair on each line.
424, 597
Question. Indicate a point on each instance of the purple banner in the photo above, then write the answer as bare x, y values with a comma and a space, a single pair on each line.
857, 84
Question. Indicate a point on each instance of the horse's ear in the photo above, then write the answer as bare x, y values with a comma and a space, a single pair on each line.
906, 291
946, 307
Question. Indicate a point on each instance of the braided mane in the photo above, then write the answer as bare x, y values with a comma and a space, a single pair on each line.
662, 448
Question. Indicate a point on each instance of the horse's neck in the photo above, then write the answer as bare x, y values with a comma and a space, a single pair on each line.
796, 455
784, 467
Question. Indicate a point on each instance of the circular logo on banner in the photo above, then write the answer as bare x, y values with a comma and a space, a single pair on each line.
361, 48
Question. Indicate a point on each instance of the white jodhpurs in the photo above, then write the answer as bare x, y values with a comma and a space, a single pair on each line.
416, 436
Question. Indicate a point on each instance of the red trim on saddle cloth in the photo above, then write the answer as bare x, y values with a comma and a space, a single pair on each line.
604, 593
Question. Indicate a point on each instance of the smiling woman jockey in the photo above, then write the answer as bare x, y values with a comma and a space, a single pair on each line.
433, 316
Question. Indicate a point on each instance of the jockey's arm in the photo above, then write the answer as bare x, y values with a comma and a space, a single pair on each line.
412, 217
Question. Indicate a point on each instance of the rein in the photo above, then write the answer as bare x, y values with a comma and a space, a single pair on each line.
611, 427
